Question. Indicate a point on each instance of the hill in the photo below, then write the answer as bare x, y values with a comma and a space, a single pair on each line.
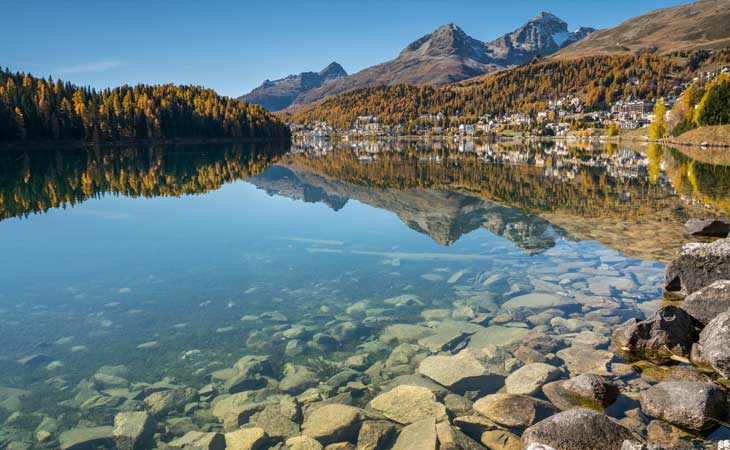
699, 25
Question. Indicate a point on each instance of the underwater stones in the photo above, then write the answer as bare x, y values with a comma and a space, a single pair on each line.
246, 439
35, 361
707, 303
404, 332
443, 340
451, 438
501, 440
419, 435
86, 438
577, 429
536, 301
416, 380
108, 381
402, 354
588, 391
689, 404
513, 410
333, 423
375, 434
712, 227
713, 348
407, 404
303, 443
697, 266
132, 430
405, 300
161, 403
497, 335
244, 382
460, 373
667, 333
530, 378
196, 440
297, 379
277, 421
457, 405
323, 342
348, 331
605, 285
475, 425
581, 359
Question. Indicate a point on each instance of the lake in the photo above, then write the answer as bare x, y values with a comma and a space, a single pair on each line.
131, 271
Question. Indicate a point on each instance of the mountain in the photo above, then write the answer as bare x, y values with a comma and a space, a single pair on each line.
279, 94
702, 24
446, 55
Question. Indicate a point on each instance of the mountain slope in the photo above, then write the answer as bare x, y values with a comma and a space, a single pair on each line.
702, 24
448, 55
278, 94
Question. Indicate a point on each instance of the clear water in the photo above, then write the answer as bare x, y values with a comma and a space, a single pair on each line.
176, 262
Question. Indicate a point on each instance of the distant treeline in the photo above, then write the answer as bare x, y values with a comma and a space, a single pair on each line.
598, 80
36, 109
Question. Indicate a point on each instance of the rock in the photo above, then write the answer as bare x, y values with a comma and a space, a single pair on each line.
713, 348
244, 381
246, 439
712, 227
404, 332
497, 335
161, 403
581, 359
408, 404
303, 443
662, 435
419, 435
530, 378
667, 333
457, 405
593, 387
475, 425
375, 434
196, 440
537, 300
277, 424
697, 266
451, 438
709, 302
417, 380
501, 440
513, 410
688, 404
297, 379
577, 429
460, 373
86, 438
35, 361
340, 446
333, 423
443, 340
132, 430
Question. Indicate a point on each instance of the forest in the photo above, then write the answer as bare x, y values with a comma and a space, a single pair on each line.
37, 109
598, 80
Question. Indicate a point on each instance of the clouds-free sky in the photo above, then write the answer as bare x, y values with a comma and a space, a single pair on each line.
232, 46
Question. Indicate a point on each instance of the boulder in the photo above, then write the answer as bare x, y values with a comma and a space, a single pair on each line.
537, 300
333, 423
712, 227
246, 439
709, 302
161, 403
297, 379
451, 438
462, 372
689, 404
580, 359
475, 425
375, 434
697, 266
420, 435
713, 348
133, 430
587, 390
276, 422
577, 429
669, 332
196, 440
530, 378
408, 404
501, 439
513, 410
86, 438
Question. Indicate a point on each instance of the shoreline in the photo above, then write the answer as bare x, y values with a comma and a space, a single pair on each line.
75, 144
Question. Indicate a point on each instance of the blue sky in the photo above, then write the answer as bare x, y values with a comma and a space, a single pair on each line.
232, 46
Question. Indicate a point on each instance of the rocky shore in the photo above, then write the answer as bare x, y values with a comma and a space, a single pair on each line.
544, 366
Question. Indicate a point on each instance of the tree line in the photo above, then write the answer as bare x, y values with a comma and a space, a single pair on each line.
46, 110
598, 81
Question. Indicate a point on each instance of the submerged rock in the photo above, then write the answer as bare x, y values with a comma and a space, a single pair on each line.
451, 438
462, 372
667, 333
713, 348
707, 303
246, 439
697, 266
514, 410
408, 404
593, 388
530, 378
133, 430
333, 423
196, 440
375, 434
712, 227
303, 443
420, 435
85, 438
689, 404
580, 359
161, 403
577, 429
